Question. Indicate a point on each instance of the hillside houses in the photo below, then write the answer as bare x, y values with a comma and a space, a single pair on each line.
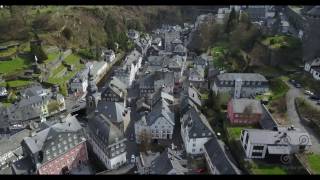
35, 103
54, 149
313, 67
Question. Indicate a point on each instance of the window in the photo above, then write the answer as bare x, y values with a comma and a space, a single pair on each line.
194, 134
193, 150
194, 140
203, 134
194, 145
200, 149
258, 148
256, 154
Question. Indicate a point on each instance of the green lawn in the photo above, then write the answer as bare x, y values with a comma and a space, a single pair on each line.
61, 81
314, 162
16, 83
7, 67
260, 169
235, 132
8, 52
52, 56
276, 42
72, 59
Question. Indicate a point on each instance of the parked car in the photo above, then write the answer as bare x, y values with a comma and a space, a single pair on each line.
292, 81
133, 158
297, 85
200, 170
131, 137
314, 97
309, 93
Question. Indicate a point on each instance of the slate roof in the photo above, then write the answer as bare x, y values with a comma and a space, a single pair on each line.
220, 157
315, 11
160, 110
196, 124
133, 57
112, 110
251, 105
104, 130
166, 162
118, 86
52, 141
243, 76
194, 95
280, 137
147, 81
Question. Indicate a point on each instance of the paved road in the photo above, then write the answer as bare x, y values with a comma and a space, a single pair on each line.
296, 121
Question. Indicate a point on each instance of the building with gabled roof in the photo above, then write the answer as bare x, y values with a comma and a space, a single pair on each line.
53, 149
195, 131
219, 159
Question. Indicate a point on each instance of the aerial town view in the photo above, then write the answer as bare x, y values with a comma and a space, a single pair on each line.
160, 90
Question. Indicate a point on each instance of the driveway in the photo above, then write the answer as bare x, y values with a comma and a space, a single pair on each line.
296, 121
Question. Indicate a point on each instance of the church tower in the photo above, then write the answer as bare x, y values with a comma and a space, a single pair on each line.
93, 96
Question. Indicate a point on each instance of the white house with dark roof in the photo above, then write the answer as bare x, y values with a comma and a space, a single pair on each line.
195, 131
104, 122
313, 67
108, 55
240, 84
116, 91
79, 83
219, 159
158, 124
107, 141
133, 62
259, 143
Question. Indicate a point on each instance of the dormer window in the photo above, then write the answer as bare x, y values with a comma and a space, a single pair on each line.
194, 134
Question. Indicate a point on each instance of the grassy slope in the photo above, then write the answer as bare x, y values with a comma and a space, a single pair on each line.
14, 65
314, 163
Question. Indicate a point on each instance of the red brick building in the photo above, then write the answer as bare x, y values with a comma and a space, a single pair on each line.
55, 149
244, 111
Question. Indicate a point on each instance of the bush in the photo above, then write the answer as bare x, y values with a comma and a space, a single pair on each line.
67, 33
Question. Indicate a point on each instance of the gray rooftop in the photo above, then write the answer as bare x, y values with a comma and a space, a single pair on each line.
243, 76
196, 124
42, 138
244, 105
104, 130
112, 110
280, 137
168, 162
220, 157
160, 110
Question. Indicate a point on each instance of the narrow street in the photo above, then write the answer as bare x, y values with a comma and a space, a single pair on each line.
296, 121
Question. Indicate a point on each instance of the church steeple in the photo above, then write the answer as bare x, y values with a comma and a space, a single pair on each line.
93, 96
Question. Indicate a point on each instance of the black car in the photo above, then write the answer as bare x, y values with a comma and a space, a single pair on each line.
292, 81
297, 85
315, 98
